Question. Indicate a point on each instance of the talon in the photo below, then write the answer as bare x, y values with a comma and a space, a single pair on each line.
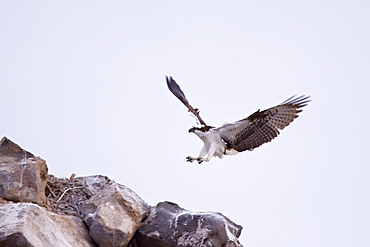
200, 160
189, 159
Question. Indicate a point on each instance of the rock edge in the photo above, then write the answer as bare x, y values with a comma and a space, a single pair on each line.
38, 209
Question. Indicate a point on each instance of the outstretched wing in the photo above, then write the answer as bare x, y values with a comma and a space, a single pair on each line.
176, 90
262, 126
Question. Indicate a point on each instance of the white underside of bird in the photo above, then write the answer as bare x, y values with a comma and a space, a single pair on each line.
213, 146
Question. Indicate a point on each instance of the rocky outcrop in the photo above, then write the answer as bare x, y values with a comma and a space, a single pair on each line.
22, 175
113, 214
27, 224
170, 225
37, 209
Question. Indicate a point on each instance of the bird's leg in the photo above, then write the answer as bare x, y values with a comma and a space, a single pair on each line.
203, 152
211, 152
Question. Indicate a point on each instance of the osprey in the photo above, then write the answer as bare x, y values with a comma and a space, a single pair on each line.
246, 134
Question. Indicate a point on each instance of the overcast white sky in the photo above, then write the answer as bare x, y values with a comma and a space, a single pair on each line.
83, 86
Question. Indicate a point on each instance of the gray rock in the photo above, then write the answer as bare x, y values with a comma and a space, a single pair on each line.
170, 225
27, 224
94, 183
23, 176
114, 213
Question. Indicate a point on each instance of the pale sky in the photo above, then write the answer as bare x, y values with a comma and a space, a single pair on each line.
83, 86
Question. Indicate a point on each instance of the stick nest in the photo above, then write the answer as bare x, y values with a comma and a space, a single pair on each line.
66, 195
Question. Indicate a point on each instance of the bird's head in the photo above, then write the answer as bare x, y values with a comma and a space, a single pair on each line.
204, 128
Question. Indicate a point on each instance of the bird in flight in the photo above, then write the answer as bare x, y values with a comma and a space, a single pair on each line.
246, 134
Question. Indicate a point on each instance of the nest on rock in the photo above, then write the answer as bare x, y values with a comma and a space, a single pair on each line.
65, 195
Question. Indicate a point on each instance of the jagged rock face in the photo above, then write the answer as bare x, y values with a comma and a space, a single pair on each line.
114, 213
95, 183
169, 225
22, 175
27, 224
92, 211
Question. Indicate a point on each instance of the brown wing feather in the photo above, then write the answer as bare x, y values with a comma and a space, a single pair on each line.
262, 126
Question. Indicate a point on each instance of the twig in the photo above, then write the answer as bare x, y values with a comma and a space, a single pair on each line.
66, 192
50, 190
176, 90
